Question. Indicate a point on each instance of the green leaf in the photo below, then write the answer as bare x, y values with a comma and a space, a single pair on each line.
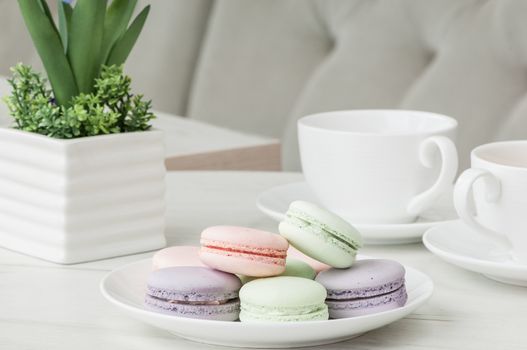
110, 108
124, 45
44, 7
49, 47
117, 18
85, 41
65, 11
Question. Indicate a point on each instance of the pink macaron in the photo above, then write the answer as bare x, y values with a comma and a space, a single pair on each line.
243, 250
179, 255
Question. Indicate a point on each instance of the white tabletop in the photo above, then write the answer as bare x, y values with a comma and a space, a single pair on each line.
48, 306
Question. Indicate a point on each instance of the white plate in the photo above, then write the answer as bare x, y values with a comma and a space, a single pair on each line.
275, 201
125, 288
458, 244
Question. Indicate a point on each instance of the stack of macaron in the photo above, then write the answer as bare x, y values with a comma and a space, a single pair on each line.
307, 272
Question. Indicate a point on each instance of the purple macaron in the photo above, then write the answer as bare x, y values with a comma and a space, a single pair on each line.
369, 286
194, 292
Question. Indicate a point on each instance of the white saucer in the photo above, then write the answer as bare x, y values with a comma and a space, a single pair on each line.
125, 288
275, 201
458, 244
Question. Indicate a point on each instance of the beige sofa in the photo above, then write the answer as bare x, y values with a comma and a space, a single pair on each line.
257, 65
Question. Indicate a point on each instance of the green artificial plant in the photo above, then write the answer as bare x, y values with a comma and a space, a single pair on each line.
83, 59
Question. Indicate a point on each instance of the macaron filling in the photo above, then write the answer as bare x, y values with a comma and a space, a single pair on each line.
186, 297
394, 298
284, 313
361, 293
197, 302
282, 310
221, 306
271, 255
329, 299
303, 221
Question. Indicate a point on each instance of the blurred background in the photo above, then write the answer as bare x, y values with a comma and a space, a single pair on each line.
257, 66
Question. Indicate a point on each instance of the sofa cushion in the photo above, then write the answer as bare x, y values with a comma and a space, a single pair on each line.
264, 64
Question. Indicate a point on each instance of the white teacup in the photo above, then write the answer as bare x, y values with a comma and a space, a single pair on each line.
497, 182
378, 166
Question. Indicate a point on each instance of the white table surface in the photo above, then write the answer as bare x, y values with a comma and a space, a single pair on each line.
185, 136
48, 306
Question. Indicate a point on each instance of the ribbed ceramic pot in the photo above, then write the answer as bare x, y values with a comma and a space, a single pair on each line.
90, 198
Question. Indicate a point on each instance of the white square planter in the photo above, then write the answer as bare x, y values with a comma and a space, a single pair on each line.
83, 199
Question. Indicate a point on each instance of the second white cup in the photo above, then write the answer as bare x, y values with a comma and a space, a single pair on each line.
378, 166
497, 183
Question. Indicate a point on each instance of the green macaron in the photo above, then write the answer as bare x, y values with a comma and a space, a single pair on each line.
283, 299
321, 234
293, 267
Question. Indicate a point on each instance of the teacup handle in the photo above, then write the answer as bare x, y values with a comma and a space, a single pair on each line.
463, 194
449, 160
